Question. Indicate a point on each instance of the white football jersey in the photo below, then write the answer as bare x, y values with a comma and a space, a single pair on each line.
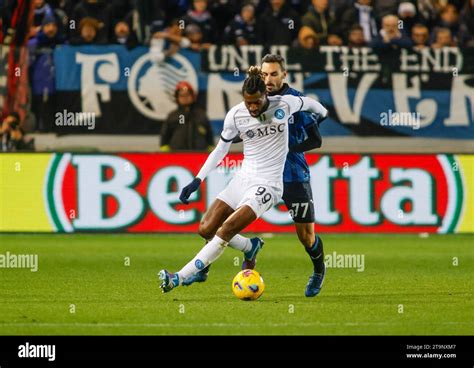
265, 138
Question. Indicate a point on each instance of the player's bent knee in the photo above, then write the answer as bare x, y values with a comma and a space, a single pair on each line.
206, 231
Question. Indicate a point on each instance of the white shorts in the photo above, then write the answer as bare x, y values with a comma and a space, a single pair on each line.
259, 195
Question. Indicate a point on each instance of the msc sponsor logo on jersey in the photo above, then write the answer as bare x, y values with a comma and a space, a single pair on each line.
279, 114
268, 130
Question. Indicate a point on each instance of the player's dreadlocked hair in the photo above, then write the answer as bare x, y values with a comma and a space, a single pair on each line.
254, 82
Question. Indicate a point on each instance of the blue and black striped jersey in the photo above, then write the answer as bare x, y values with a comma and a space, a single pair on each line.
296, 167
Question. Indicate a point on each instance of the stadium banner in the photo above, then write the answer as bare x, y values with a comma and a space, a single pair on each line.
405, 93
139, 192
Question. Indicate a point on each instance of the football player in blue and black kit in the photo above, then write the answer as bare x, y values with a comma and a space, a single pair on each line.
297, 194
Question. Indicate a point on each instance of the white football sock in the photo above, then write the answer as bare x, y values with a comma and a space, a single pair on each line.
240, 242
208, 254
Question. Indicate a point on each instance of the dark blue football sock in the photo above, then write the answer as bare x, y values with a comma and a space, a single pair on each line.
316, 254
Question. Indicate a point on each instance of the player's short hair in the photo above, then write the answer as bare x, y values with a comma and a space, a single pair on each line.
254, 82
275, 58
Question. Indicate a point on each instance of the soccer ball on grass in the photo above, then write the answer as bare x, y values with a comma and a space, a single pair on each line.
248, 285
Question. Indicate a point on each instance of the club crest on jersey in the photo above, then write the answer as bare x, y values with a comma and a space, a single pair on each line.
279, 114
199, 264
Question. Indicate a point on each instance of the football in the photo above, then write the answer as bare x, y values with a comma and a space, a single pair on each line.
248, 285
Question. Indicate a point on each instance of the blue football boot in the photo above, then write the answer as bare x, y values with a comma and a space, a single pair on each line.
315, 283
250, 257
168, 280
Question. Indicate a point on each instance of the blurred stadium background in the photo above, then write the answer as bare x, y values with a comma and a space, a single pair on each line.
92, 138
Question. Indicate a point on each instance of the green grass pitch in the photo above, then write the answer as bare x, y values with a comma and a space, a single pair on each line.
410, 285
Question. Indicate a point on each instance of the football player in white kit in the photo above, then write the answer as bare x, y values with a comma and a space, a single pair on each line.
262, 123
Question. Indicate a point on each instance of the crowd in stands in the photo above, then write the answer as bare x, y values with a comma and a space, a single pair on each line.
197, 24
169, 25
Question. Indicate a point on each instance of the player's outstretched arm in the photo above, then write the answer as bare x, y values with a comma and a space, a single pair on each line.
213, 159
314, 106
301, 103
216, 156
229, 132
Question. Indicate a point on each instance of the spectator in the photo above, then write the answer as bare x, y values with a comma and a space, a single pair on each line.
223, 12
123, 35
356, 37
467, 24
62, 9
449, 18
41, 10
194, 34
338, 7
301, 6
12, 137
428, 11
200, 16
147, 18
319, 19
64, 6
169, 41
390, 36
242, 30
187, 127
88, 30
361, 13
42, 75
174, 9
278, 25
121, 9
385, 7
408, 16
101, 12
334, 39
307, 39
420, 36
443, 38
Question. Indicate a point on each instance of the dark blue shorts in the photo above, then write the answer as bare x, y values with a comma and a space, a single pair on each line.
298, 198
